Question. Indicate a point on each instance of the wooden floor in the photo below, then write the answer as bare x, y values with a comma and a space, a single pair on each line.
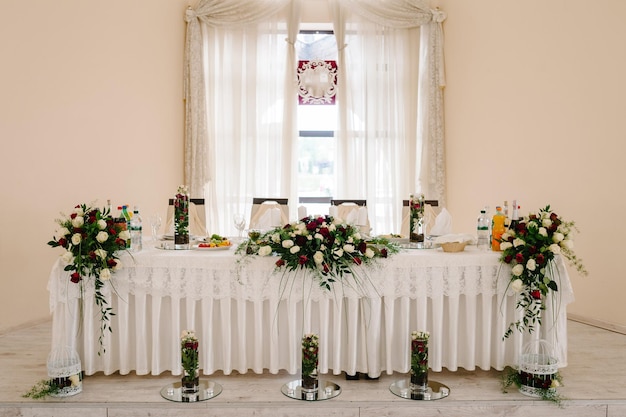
595, 385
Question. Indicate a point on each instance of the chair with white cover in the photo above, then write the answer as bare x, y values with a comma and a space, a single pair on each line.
268, 213
431, 210
351, 211
197, 217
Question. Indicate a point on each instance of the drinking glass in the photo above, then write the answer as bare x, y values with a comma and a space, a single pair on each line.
240, 223
155, 224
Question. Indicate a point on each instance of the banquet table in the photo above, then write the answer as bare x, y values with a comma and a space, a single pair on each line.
249, 316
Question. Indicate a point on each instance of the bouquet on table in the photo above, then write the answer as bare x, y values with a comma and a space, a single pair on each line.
91, 241
530, 248
330, 250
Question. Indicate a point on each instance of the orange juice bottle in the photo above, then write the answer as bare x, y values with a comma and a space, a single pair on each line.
497, 228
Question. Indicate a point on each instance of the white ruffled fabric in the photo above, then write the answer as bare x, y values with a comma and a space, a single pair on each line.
249, 317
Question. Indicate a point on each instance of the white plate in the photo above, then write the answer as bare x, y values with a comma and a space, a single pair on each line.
196, 247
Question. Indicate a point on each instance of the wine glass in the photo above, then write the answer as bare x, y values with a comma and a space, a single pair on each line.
155, 224
240, 223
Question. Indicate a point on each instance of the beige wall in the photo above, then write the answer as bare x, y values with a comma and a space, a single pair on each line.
91, 108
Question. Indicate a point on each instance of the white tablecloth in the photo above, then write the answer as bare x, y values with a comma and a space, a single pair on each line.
249, 317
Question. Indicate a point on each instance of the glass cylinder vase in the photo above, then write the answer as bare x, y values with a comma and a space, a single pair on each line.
190, 385
181, 218
310, 346
416, 215
419, 361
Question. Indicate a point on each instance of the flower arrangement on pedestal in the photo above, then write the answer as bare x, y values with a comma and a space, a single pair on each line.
530, 248
310, 350
91, 242
319, 244
416, 213
419, 360
181, 216
190, 362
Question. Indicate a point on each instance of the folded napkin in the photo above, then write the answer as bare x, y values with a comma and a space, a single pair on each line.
443, 224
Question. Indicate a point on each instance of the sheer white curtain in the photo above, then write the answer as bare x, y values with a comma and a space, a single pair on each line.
390, 137
239, 77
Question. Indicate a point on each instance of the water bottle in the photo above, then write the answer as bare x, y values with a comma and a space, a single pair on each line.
135, 231
482, 230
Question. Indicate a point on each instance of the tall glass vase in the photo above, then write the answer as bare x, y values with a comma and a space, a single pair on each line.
190, 382
416, 213
181, 218
419, 361
190, 385
310, 346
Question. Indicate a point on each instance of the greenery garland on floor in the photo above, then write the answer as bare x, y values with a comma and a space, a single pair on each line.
512, 376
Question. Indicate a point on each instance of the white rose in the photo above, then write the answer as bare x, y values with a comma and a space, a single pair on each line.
118, 265
309, 237
518, 242
287, 243
357, 236
505, 245
557, 237
543, 231
505, 236
294, 249
517, 270
78, 221
265, 250
75, 380
318, 257
102, 224
101, 253
68, 257
348, 248
531, 265
350, 239
319, 236
517, 285
275, 238
554, 248
124, 235
102, 236
567, 244
332, 227
555, 383
105, 274
78, 210
62, 232
339, 253
546, 222
369, 253
322, 247
531, 225
76, 239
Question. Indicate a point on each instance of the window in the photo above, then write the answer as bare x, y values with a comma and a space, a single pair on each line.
317, 122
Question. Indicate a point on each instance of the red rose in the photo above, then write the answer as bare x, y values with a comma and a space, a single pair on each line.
357, 260
540, 259
73, 215
63, 242
92, 255
326, 269
311, 226
302, 259
383, 252
111, 263
508, 258
75, 277
536, 294
324, 232
362, 247
519, 258
280, 262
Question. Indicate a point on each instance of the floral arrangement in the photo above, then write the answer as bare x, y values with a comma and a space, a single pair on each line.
91, 241
530, 248
416, 212
310, 348
189, 353
545, 388
419, 352
181, 211
319, 244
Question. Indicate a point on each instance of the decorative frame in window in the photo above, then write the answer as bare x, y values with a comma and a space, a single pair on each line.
317, 82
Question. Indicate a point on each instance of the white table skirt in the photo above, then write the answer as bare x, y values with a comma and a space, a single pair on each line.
249, 317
